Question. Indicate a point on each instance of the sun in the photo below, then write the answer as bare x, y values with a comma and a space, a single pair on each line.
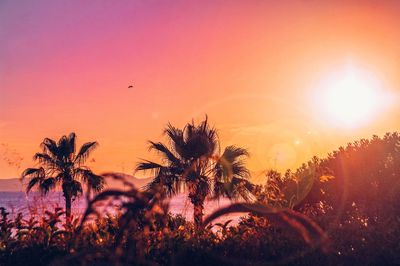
350, 97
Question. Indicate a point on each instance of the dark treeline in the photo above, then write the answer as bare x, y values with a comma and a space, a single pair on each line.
340, 210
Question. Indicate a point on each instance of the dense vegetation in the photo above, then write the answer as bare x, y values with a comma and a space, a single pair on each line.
340, 210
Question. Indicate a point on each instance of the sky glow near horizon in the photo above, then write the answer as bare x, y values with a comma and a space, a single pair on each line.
256, 68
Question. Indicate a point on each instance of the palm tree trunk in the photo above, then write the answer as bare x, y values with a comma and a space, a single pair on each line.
198, 214
88, 192
68, 202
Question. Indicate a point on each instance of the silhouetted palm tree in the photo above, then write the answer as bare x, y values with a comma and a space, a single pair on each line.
61, 165
192, 160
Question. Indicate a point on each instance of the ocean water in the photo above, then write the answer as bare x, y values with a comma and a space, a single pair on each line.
16, 202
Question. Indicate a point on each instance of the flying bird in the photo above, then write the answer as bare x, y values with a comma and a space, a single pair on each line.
130, 86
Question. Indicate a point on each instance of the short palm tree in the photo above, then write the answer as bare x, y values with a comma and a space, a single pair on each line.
192, 160
59, 164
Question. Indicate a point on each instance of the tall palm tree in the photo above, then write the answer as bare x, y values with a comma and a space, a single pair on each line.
192, 160
59, 164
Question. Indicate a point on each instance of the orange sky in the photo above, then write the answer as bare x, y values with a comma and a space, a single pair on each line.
252, 66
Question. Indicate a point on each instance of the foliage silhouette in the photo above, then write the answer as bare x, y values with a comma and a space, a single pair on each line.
352, 195
287, 218
192, 160
59, 164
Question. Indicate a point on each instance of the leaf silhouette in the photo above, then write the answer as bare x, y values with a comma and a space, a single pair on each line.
285, 218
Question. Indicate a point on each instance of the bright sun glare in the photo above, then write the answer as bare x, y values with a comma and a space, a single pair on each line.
350, 97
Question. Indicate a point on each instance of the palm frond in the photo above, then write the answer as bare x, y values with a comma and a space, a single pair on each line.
161, 148
72, 143
47, 184
233, 153
84, 151
229, 165
32, 182
148, 165
50, 146
95, 182
45, 158
200, 141
73, 188
64, 151
234, 189
166, 177
32, 171
168, 183
176, 138
76, 188
239, 170
153, 183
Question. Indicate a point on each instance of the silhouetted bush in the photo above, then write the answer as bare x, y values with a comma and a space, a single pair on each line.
353, 195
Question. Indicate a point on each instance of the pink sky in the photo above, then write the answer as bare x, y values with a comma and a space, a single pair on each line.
251, 66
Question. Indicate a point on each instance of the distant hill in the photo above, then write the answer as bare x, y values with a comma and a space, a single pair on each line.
112, 183
15, 184
10, 184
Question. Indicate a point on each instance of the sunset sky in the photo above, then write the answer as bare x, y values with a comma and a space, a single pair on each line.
261, 70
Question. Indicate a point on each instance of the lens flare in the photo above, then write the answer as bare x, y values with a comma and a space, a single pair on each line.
350, 98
